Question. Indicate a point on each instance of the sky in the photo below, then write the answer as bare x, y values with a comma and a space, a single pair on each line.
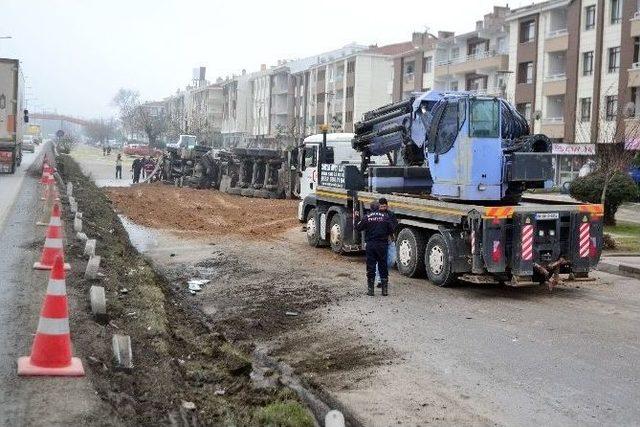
76, 54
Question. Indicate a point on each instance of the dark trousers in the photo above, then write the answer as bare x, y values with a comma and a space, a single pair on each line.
377, 255
118, 172
136, 175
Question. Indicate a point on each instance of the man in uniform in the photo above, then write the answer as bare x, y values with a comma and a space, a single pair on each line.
136, 167
378, 225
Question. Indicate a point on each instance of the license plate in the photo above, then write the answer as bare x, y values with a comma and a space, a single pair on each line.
547, 215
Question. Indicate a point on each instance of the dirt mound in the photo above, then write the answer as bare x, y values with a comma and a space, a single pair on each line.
203, 212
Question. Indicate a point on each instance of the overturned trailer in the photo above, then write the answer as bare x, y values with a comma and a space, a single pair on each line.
250, 172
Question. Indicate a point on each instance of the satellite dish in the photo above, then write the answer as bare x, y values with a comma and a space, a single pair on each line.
629, 110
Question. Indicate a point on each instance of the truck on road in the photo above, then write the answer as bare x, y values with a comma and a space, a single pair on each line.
12, 116
459, 216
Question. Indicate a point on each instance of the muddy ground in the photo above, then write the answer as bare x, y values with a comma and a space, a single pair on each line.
195, 213
178, 355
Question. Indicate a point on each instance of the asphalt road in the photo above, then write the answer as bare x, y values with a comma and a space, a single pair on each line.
30, 401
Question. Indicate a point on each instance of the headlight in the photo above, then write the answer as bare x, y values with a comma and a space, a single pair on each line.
541, 233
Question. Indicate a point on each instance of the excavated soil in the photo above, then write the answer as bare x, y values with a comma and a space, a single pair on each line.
192, 212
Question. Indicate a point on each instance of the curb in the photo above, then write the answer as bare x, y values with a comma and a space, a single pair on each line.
619, 270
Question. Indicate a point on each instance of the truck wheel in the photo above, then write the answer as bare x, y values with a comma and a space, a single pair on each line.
410, 252
437, 262
336, 234
313, 230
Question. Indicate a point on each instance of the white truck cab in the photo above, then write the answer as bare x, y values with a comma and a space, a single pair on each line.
338, 151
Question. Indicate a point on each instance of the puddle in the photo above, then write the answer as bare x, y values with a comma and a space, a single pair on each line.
142, 238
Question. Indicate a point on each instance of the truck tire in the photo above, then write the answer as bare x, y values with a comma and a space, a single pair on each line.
436, 259
313, 230
336, 234
410, 246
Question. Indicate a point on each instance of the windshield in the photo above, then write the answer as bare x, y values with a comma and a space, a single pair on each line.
484, 118
188, 141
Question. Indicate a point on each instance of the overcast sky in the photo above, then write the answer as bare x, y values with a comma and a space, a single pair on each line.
77, 53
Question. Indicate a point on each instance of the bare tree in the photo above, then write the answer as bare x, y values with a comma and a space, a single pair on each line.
140, 118
100, 130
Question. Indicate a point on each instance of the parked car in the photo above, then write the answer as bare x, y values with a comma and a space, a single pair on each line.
141, 150
28, 143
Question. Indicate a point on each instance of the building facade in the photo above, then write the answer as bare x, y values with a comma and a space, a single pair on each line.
573, 73
237, 120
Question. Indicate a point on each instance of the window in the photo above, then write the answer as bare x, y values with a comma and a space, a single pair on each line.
611, 107
614, 59
453, 86
484, 118
636, 50
409, 68
349, 91
348, 117
351, 66
635, 98
501, 45
321, 75
587, 63
320, 98
616, 11
525, 72
525, 110
310, 158
585, 109
527, 31
590, 17
449, 125
455, 53
428, 64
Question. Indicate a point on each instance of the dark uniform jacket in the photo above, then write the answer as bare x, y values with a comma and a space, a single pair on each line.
378, 226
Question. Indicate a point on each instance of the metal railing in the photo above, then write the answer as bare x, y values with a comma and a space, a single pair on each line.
555, 77
472, 57
553, 120
557, 33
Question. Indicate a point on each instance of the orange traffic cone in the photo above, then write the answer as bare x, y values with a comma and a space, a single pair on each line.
51, 196
52, 242
45, 175
51, 351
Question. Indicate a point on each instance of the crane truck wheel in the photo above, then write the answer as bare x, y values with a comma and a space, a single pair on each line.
438, 264
313, 230
336, 234
410, 246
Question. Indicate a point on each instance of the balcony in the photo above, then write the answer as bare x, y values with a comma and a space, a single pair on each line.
555, 84
553, 127
556, 41
634, 75
635, 25
490, 59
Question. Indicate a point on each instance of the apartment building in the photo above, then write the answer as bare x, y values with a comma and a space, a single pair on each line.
413, 69
237, 120
573, 73
476, 61
260, 83
204, 112
342, 87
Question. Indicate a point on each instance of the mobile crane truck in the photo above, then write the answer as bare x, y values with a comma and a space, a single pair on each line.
459, 164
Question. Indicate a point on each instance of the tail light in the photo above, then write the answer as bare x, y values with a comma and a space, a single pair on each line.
496, 253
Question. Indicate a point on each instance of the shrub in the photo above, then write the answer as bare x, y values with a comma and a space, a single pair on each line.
620, 189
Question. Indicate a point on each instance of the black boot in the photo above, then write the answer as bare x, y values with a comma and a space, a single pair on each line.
385, 287
370, 284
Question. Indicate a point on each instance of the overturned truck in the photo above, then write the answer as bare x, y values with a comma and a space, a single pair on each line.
250, 172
